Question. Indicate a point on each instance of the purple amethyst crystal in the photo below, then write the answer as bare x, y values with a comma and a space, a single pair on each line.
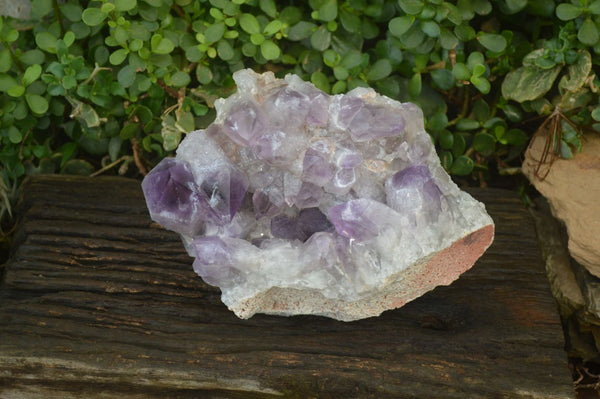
294, 201
277, 147
214, 261
309, 195
318, 114
173, 198
245, 123
312, 220
316, 167
353, 219
308, 222
222, 192
372, 122
263, 206
413, 190
346, 155
287, 107
349, 107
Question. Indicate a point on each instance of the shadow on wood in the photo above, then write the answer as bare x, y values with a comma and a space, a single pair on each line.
97, 301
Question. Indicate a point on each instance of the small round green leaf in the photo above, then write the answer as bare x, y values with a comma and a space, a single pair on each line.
467, 124
30, 57
516, 137
5, 61
16, 91
249, 23
340, 73
272, 28
125, 5
567, 11
446, 139
320, 80
270, 50
40, 8
588, 32
93, 16
464, 32
32, 73
126, 76
214, 33
321, 39
462, 166
204, 74
400, 25
46, 41
430, 28
379, 70
595, 7
180, 79
225, 50
447, 39
338, 87
447, 159
351, 59
249, 49
459, 146
71, 11
37, 103
461, 72
268, 7
415, 85
484, 143
481, 84
596, 113
413, 7
443, 78
118, 56
301, 30
493, 42
437, 122
257, 39
161, 45
129, 131
482, 7
350, 20
14, 135
328, 10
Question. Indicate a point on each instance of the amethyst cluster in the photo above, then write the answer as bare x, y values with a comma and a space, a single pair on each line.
294, 201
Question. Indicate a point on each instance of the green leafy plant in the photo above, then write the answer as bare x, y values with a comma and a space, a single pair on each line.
113, 85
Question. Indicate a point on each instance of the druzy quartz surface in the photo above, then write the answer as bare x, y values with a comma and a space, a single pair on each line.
294, 201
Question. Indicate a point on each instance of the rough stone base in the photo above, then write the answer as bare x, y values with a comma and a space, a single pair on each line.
440, 268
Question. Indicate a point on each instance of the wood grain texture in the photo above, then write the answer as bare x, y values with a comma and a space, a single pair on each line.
97, 301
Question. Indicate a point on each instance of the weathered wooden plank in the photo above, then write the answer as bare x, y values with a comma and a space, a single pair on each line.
98, 301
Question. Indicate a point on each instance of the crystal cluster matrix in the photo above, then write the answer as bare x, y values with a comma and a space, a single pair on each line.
297, 202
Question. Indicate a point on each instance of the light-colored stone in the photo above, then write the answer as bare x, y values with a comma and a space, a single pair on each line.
572, 188
20, 9
553, 244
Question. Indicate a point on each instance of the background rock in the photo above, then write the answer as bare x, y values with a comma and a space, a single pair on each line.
572, 188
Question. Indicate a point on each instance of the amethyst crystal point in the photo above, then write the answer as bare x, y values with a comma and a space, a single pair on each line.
245, 123
361, 219
173, 198
296, 202
413, 190
222, 192
214, 261
372, 122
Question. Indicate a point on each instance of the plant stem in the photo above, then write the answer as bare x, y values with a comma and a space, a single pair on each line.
58, 17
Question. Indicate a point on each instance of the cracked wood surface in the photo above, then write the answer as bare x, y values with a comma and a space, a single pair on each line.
97, 301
